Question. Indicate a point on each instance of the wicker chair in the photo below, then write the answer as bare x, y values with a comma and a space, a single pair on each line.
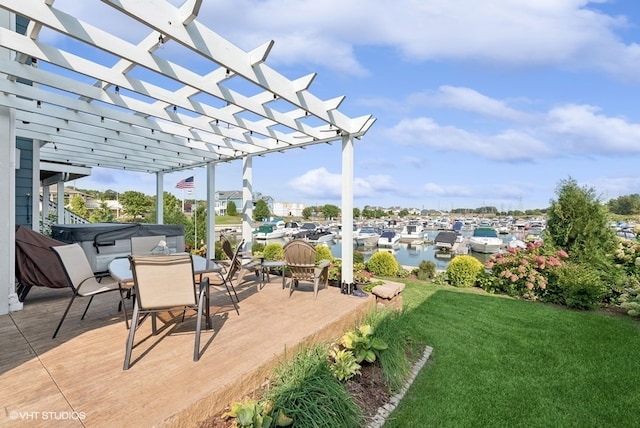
300, 259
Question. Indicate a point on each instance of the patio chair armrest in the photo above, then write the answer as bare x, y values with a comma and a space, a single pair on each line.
324, 263
204, 284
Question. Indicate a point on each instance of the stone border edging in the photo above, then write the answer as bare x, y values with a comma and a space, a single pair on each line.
384, 411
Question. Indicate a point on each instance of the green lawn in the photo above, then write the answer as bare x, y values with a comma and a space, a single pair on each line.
507, 363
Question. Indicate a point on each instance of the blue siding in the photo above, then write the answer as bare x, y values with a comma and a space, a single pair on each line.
24, 179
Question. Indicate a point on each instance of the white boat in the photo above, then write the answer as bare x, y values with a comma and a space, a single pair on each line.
269, 231
412, 232
485, 240
389, 239
368, 235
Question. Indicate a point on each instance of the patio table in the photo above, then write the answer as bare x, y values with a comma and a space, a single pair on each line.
269, 264
120, 270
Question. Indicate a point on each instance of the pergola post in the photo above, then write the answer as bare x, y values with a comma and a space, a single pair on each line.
347, 211
211, 211
159, 197
247, 201
8, 297
60, 200
35, 187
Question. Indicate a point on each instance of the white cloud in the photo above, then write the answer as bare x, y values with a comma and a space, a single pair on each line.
513, 145
583, 130
321, 184
447, 190
468, 99
565, 33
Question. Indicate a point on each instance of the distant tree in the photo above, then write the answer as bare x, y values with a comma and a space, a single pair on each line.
102, 214
136, 205
367, 213
171, 210
232, 210
625, 205
306, 213
379, 213
78, 206
261, 210
330, 211
356, 213
110, 195
577, 222
403, 212
195, 234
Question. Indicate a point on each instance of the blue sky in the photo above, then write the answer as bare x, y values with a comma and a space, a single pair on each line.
477, 103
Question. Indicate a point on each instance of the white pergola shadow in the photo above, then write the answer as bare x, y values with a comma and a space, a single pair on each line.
88, 97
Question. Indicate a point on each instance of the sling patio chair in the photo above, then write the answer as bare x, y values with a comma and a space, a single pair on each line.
243, 261
300, 261
82, 280
146, 245
164, 283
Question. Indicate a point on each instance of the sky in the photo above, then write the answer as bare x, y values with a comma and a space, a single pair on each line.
491, 103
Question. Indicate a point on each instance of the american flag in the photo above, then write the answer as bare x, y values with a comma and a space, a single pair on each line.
187, 183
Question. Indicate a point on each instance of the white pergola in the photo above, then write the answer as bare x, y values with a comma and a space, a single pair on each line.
90, 98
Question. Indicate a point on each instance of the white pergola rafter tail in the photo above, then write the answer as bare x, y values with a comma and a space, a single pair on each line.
92, 92
139, 55
125, 143
47, 97
209, 44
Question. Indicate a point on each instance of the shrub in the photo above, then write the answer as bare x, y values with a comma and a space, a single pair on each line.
323, 253
358, 257
273, 251
305, 389
630, 300
383, 263
580, 285
525, 272
426, 270
257, 248
463, 271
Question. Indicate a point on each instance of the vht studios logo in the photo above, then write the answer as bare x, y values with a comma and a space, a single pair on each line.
46, 416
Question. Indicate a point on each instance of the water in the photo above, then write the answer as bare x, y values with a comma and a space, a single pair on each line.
409, 255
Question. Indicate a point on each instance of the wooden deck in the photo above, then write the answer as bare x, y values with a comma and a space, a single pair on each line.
77, 378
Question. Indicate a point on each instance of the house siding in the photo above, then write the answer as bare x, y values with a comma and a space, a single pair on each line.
24, 177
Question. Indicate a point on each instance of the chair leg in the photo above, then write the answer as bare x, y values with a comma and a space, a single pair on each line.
64, 315
196, 348
123, 305
226, 284
132, 333
87, 308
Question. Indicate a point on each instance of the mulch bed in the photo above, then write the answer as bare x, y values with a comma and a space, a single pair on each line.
368, 390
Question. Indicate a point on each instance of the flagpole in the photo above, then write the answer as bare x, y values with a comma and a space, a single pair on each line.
195, 215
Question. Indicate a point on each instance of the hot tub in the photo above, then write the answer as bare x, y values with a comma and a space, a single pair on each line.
102, 242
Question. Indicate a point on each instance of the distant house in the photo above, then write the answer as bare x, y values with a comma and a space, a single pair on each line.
223, 198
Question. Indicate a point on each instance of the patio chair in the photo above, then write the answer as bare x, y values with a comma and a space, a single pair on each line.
82, 280
164, 283
145, 245
225, 277
243, 264
300, 260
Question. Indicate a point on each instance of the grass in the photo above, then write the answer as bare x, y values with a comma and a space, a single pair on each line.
504, 362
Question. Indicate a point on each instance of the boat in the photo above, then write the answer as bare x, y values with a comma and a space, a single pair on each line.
412, 231
320, 235
389, 239
368, 235
269, 231
306, 229
485, 240
291, 228
445, 240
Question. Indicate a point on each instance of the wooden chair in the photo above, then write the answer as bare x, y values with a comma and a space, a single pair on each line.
82, 280
300, 260
164, 283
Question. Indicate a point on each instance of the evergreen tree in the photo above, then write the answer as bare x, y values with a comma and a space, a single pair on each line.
577, 222
261, 210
